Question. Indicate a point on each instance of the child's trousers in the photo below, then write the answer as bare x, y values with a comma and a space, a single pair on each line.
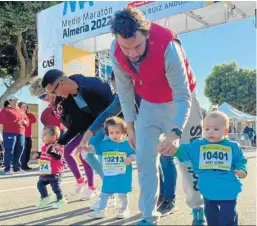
220, 213
54, 181
122, 196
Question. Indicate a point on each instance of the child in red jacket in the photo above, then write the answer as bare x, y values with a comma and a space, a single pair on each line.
50, 167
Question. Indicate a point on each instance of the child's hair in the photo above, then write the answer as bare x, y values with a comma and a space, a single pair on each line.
54, 130
218, 114
115, 121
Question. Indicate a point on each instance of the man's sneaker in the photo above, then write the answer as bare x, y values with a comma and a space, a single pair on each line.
167, 207
198, 217
122, 213
89, 194
97, 214
44, 202
60, 204
110, 204
8, 172
78, 188
144, 222
20, 171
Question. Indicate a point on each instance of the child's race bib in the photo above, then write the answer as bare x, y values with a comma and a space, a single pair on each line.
113, 163
215, 156
45, 167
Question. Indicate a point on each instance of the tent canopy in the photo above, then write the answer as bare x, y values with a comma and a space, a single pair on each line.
233, 113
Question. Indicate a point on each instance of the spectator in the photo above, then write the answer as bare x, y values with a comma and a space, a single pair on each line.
14, 122
28, 136
250, 132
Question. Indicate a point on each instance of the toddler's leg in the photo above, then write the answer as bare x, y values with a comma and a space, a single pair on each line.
100, 213
123, 212
228, 213
55, 184
124, 200
212, 212
41, 186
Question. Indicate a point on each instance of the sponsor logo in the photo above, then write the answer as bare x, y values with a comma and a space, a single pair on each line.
48, 63
139, 3
72, 6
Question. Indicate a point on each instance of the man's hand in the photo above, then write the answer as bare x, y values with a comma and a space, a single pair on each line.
240, 173
128, 160
169, 145
131, 135
84, 142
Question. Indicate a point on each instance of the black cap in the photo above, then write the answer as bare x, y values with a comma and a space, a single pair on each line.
51, 77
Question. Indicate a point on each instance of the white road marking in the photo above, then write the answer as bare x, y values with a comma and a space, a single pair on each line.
29, 187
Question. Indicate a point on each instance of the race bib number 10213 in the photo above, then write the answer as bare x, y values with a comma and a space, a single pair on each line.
215, 156
113, 163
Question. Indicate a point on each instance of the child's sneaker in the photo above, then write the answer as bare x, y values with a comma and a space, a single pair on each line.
122, 213
44, 202
110, 204
89, 194
78, 188
97, 214
60, 204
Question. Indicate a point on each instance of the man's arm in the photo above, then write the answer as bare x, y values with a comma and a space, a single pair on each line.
125, 89
113, 110
177, 77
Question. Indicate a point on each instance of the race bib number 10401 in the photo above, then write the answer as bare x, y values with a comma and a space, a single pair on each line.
215, 156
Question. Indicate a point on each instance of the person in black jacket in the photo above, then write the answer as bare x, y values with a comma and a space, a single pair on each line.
84, 98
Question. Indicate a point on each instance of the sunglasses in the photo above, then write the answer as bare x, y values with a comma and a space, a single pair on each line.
54, 90
42, 96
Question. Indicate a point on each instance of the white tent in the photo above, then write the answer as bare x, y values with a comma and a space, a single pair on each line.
235, 114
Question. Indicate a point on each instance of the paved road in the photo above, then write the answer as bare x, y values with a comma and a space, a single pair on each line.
18, 195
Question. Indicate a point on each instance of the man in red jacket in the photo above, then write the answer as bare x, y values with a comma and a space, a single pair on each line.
150, 59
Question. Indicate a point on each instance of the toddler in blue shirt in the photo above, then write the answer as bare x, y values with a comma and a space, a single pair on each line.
219, 163
117, 156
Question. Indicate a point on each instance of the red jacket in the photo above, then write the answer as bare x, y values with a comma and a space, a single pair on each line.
151, 82
32, 120
48, 165
10, 118
49, 118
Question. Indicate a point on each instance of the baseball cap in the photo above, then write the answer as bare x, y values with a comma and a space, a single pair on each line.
12, 97
51, 77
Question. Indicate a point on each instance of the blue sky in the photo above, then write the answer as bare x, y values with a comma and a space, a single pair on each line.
205, 48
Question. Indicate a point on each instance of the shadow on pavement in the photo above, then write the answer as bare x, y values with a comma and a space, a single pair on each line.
28, 207
23, 213
59, 217
108, 221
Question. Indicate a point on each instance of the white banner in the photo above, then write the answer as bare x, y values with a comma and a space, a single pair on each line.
72, 21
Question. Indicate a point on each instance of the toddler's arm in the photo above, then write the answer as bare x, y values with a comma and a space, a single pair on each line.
240, 163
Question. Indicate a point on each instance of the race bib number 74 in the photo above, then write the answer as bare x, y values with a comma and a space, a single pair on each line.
113, 163
45, 167
215, 156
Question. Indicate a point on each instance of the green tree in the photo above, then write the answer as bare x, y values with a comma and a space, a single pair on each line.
236, 86
18, 43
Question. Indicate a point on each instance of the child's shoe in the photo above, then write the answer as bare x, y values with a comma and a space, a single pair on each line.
59, 204
97, 214
44, 202
90, 193
122, 213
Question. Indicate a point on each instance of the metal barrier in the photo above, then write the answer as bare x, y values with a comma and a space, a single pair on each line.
241, 138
